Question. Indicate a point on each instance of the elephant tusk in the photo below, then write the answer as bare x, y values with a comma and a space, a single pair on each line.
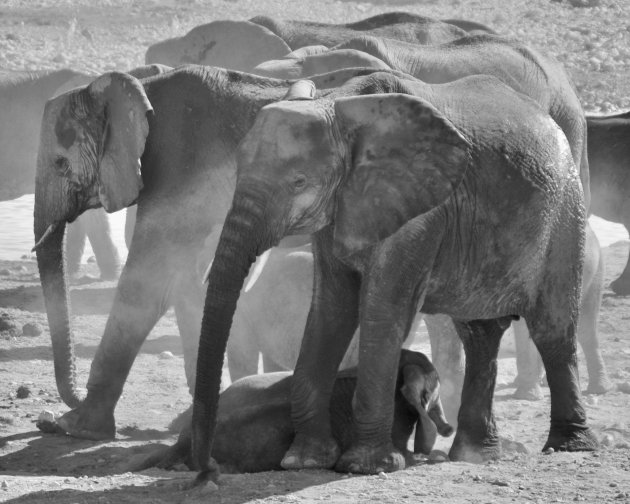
51, 229
206, 274
258, 268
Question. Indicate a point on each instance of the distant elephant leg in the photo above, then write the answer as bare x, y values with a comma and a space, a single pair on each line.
75, 246
188, 304
142, 297
270, 366
99, 233
130, 223
621, 286
529, 369
598, 381
477, 439
242, 348
447, 354
331, 322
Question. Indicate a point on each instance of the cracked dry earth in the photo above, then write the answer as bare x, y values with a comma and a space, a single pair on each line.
36, 467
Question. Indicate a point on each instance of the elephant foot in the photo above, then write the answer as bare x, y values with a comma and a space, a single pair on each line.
621, 286
466, 450
528, 393
571, 437
600, 385
89, 423
311, 453
364, 459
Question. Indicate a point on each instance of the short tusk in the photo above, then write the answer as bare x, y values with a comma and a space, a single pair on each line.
206, 275
258, 268
51, 229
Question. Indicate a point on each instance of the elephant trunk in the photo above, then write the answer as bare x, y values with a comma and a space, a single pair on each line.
436, 413
51, 264
245, 235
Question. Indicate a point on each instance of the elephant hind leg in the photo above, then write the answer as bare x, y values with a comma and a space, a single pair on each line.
528, 365
477, 439
99, 233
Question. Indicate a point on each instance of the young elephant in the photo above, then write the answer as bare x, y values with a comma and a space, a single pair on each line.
254, 428
399, 190
609, 162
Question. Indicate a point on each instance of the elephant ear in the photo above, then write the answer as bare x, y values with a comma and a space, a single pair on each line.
404, 158
125, 106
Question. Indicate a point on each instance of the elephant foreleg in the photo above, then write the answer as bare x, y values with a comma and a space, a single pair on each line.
331, 322
447, 355
477, 439
141, 299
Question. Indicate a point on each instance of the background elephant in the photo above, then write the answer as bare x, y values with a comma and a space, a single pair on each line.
185, 125
608, 154
241, 45
23, 96
400, 224
254, 427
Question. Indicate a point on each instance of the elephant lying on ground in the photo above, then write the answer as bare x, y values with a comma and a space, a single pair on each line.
399, 192
541, 78
185, 125
241, 45
254, 427
22, 99
609, 160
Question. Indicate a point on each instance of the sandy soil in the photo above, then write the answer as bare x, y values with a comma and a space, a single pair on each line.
35, 467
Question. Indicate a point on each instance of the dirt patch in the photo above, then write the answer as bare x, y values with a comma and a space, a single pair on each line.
594, 44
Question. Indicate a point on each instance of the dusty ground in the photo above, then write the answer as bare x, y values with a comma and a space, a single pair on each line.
594, 44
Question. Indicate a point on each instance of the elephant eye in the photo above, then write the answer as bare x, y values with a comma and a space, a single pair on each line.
299, 182
62, 165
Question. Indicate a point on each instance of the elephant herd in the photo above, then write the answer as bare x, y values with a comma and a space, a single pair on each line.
368, 174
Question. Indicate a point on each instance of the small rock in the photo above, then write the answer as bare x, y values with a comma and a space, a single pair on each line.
46, 422
613, 484
382, 475
23, 392
32, 329
549, 451
4, 272
6, 324
500, 483
166, 355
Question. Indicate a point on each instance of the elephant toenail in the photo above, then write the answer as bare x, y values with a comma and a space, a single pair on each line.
290, 460
354, 468
310, 463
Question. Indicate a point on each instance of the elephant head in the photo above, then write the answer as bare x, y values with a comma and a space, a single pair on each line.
420, 386
90, 144
365, 165
237, 45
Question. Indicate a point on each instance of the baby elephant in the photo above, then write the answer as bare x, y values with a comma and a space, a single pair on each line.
254, 428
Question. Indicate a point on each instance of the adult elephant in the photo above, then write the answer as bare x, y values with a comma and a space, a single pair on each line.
241, 45
185, 126
399, 192
23, 96
254, 427
608, 153
541, 78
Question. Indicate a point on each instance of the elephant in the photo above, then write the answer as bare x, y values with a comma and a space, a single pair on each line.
185, 126
397, 186
241, 45
394, 25
539, 77
22, 99
23, 96
608, 155
528, 363
254, 427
